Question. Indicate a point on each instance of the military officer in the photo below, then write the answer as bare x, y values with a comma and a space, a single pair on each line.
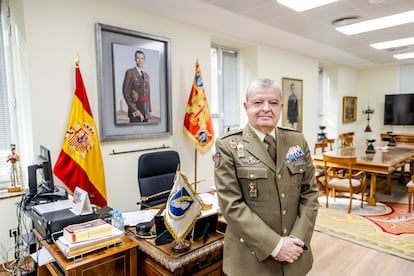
270, 205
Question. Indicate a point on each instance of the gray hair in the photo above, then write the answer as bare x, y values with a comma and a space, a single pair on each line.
262, 83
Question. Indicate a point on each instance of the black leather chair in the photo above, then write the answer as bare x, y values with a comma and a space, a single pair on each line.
156, 171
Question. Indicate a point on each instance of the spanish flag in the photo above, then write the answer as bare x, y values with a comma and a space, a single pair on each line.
198, 125
183, 208
80, 160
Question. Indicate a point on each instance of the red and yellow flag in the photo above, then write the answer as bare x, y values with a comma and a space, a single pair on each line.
80, 160
198, 125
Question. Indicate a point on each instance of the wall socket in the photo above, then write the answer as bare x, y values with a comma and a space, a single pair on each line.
14, 232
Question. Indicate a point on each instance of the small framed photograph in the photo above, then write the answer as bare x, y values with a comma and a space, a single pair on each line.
349, 109
292, 103
134, 82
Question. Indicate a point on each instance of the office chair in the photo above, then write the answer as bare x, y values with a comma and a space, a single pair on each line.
156, 171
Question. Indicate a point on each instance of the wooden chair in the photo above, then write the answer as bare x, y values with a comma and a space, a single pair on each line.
410, 190
347, 139
320, 145
330, 142
340, 176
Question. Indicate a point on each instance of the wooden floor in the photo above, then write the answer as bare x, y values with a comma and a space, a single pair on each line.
336, 257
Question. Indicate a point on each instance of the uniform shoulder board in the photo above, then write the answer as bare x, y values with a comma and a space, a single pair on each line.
232, 132
287, 128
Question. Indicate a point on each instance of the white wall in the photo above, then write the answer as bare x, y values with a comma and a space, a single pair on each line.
51, 33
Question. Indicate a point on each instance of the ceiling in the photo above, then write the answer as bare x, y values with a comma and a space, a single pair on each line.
310, 32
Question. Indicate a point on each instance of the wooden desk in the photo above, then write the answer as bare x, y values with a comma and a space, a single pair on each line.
201, 259
382, 162
117, 260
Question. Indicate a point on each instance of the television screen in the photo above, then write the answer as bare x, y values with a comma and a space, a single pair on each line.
399, 109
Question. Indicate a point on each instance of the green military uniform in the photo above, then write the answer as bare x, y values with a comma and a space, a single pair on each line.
263, 201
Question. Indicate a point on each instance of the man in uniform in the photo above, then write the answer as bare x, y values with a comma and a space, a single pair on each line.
136, 91
269, 203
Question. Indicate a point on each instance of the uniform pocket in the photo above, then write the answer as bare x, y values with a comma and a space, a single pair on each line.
255, 183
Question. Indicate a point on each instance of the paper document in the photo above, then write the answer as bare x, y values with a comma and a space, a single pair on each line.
42, 256
53, 206
133, 218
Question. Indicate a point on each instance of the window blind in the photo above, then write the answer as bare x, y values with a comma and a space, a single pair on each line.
5, 119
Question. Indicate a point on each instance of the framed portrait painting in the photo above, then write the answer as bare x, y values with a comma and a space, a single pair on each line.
134, 82
349, 109
292, 103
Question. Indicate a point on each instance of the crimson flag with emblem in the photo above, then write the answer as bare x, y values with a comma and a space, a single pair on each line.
80, 160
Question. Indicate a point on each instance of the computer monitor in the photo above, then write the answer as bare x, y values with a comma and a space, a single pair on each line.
41, 174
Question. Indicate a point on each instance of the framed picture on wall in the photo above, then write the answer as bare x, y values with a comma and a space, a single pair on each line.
134, 82
349, 109
292, 103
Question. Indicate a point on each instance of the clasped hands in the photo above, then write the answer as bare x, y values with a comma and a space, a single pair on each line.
292, 248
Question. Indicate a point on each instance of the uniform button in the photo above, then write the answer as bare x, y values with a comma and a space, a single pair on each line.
253, 252
279, 176
301, 170
284, 231
282, 195
284, 212
241, 240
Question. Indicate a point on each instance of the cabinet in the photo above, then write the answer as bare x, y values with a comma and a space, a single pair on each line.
116, 260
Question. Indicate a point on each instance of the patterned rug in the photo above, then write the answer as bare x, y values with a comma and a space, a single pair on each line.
387, 227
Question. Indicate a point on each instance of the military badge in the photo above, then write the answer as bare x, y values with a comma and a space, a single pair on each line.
216, 159
233, 144
293, 154
240, 150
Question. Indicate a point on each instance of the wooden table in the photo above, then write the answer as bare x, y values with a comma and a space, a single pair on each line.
202, 258
384, 161
117, 260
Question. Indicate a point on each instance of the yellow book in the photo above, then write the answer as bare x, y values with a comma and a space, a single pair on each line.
87, 230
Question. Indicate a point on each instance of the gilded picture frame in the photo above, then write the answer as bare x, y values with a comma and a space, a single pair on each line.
292, 103
124, 112
349, 109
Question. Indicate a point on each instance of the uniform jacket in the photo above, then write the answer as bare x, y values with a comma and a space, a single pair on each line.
285, 202
135, 88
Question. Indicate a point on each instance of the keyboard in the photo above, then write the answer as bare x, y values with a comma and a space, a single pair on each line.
53, 206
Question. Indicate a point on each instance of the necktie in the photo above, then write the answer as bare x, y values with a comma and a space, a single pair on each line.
271, 147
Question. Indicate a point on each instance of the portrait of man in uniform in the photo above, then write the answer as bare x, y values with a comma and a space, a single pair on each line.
292, 103
137, 90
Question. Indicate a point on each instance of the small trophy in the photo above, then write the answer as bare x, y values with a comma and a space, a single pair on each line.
14, 159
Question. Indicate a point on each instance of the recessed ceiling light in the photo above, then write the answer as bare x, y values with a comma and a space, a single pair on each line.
404, 56
393, 43
346, 20
378, 23
303, 5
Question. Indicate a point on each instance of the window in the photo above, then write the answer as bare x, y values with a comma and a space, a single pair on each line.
225, 104
7, 107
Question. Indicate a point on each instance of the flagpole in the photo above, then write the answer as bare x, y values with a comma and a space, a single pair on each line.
195, 170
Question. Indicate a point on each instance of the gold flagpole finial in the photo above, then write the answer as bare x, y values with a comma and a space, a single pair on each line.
77, 60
